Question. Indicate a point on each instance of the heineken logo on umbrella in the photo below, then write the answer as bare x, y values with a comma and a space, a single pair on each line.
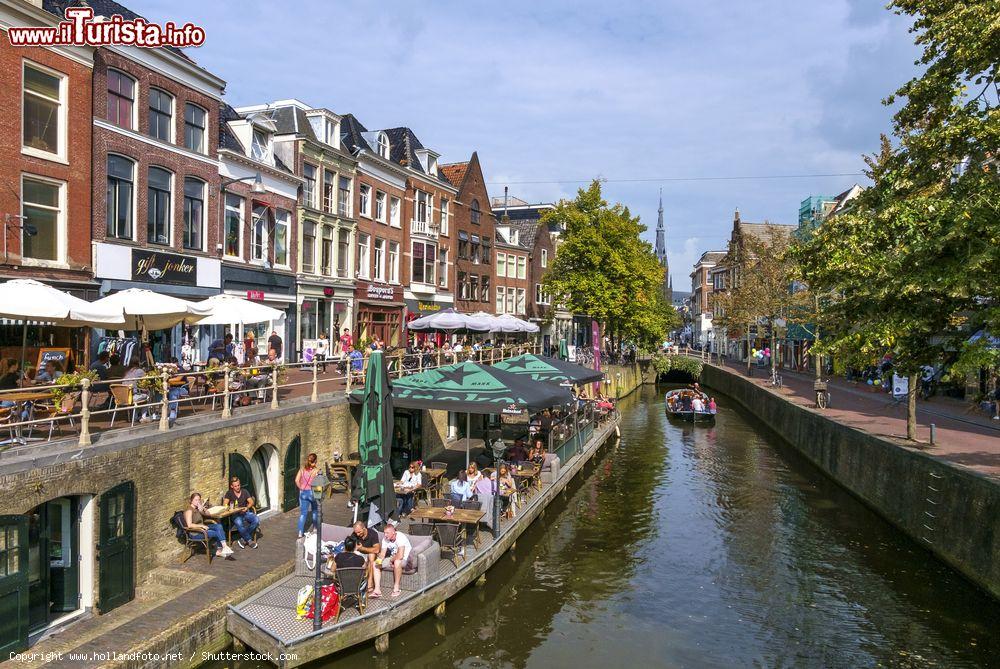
512, 410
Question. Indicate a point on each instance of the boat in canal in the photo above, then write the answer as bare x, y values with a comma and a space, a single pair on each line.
678, 404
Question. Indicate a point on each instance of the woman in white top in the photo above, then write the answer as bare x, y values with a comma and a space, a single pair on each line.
322, 350
410, 481
474, 474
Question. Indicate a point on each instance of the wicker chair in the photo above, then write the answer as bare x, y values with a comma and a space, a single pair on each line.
339, 475
440, 502
439, 465
451, 537
352, 587
420, 529
122, 395
192, 538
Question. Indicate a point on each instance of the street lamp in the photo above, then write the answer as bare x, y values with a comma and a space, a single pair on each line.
498, 448
319, 484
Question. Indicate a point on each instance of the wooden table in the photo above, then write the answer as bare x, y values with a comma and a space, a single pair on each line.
532, 472
432, 475
437, 513
19, 398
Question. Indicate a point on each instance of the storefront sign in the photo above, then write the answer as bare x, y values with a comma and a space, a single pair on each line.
159, 267
428, 307
376, 292
255, 295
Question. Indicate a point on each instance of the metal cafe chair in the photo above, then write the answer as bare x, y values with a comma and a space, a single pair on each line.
451, 538
352, 588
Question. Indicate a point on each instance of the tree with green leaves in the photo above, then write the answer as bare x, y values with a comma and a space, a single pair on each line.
913, 267
761, 291
603, 268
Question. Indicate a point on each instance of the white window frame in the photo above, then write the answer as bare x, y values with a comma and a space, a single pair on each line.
63, 132
61, 232
380, 205
347, 201
511, 302
364, 255
383, 145
442, 260
283, 218
260, 151
433, 265
545, 257
522, 267
309, 195
501, 264
170, 212
265, 256
204, 213
135, 198
444, 215
501, 293
522, 299
225, 218
395, 212
365, 200
378, 260
393, 262
307, 248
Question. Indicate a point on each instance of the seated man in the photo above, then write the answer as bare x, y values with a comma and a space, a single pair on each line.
517, 452
246, 521
348, 558
369, 547
411, 480
395, 548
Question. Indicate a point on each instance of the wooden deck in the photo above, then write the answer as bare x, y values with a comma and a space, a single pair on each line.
267, 622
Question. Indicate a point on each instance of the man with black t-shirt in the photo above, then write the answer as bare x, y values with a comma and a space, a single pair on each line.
274, 344
369, 546
246, 521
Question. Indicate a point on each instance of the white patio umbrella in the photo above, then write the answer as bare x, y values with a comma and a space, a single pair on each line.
446, 320
509, 323
230, 309
148, 310
30, 300
483, 319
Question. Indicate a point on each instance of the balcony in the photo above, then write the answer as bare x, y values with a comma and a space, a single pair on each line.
427, 228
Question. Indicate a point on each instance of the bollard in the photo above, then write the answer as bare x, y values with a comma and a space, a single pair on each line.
227, 409
349, 372
933, 433
164, 401
85, 414
274, 387
315, 390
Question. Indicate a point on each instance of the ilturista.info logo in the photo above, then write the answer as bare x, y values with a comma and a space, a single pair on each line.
81, 28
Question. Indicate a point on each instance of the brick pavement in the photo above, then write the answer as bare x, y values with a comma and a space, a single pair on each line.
964, 435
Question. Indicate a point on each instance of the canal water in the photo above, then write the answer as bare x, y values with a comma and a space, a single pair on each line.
697, 546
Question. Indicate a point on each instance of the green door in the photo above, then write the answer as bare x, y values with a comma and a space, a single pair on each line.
116, 550
240, 468
13, 584
293, 460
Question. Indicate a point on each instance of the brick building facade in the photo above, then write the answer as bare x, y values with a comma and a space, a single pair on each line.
475, 230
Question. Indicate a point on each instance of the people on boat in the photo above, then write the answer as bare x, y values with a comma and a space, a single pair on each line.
245, 520
308, 505
460, 490
712, 408
396, 549
369, 547
697, 404
194, 519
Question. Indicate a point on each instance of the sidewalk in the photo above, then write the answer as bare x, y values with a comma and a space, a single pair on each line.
970, 439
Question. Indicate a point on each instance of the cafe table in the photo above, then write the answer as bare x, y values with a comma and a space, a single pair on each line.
19, 398
439, 514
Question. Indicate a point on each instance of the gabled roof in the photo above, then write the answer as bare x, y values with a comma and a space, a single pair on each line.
227, 140
765, 230
403, 147
711, 257
455, 172
352, 134
102, 8
527, 231
291, 120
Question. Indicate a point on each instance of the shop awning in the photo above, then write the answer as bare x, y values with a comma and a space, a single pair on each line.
549, 369
474, 388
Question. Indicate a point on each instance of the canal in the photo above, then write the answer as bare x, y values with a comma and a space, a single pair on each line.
718, 546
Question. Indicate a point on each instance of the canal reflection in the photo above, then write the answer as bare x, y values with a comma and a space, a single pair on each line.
715, 546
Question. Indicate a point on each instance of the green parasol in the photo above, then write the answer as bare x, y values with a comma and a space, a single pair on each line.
549, 369
563, 349
373, 480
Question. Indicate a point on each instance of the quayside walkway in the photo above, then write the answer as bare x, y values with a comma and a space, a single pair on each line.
179, 595
964, 435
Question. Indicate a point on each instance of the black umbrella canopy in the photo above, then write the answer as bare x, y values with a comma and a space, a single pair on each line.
549, 369
474, 388
373, 480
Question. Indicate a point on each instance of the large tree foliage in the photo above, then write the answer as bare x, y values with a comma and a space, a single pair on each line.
604, 269
914, 265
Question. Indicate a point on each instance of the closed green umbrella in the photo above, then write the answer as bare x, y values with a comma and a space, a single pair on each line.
563, 349
373, 481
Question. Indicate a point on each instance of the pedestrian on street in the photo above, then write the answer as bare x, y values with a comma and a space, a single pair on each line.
274, 344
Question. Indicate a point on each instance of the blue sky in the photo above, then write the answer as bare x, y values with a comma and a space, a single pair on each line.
574, 89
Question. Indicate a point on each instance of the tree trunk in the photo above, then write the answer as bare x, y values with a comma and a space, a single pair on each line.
749, 361
911, 408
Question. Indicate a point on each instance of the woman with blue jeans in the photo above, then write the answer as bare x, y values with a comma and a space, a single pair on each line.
307, 503
194, 519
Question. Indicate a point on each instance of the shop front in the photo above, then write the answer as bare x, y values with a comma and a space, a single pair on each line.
326, 309
187, 277
379, 313
273, 289
417, 307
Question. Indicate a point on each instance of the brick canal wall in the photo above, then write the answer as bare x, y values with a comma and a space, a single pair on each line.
167, 466
951, 511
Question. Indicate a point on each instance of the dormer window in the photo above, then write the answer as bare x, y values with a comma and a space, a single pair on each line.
432, 165
332, 133
260, 148
383, 145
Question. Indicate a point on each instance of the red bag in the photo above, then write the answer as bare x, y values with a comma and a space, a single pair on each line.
329, 600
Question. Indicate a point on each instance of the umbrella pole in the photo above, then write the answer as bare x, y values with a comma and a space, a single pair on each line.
24, 344
467, 423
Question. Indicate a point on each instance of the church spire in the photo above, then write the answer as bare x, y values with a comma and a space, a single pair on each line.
661, 251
